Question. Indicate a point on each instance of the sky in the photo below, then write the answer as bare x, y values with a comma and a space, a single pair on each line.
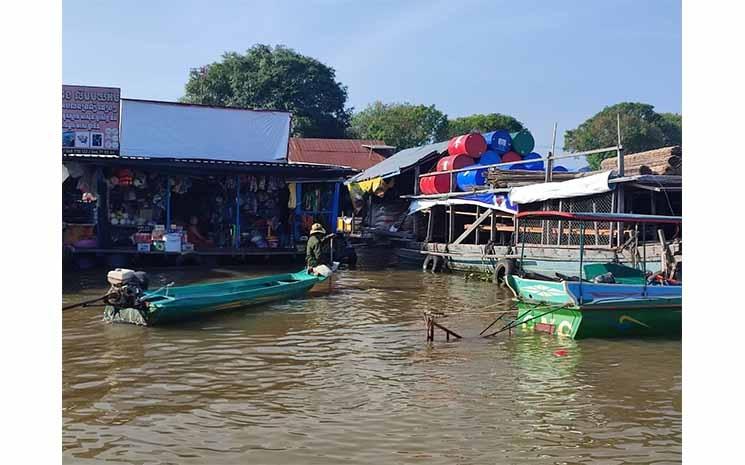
541, 61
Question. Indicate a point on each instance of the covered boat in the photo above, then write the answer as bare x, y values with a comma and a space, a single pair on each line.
129, 304
606, 300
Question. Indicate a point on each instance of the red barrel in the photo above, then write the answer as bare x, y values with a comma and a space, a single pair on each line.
435, 184
454, 162
472, 144
510, 156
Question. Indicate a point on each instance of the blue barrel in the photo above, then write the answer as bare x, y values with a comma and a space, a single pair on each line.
468, 180
535, 165
499, 141
490, 157
560, 168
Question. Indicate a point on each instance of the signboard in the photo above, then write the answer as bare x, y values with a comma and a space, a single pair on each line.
90, 119
177, 130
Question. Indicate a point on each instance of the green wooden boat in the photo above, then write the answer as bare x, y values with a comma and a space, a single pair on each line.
583, 307
589, 310
174, 304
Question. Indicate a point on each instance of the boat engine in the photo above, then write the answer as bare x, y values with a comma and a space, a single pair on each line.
127, 287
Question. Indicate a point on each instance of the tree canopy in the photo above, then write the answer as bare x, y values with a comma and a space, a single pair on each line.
482, 123
403, 125
275, 78
641, 129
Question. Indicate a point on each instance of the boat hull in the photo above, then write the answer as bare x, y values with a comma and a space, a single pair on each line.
191, 302
597, 310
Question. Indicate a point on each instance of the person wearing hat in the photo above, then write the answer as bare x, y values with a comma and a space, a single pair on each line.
313, 250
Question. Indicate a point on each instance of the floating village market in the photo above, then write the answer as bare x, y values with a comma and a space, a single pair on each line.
145, 183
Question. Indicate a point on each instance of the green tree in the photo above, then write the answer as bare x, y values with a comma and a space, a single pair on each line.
641, 129
276, 78
672, 128
400, 124
482, 123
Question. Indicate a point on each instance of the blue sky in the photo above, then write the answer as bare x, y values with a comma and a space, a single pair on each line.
540, 61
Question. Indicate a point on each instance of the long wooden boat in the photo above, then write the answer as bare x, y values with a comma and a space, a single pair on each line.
173, 304
629, 306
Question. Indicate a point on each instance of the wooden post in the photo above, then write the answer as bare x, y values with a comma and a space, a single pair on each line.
493, 232
559, 226
619, 149
478, 228
621, 209
415, 226
550, 158
597, 234
430, 222
611, 224
451, 217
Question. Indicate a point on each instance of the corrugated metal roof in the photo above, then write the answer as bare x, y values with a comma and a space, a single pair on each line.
341, 152
320, 171
393, 165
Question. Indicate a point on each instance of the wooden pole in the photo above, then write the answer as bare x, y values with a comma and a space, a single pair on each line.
430, 220
619, 149
550, 158
493, 231
415, 226
478, 212
559, 226
451, 217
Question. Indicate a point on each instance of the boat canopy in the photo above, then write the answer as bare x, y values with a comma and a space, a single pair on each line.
590, 216
579, 187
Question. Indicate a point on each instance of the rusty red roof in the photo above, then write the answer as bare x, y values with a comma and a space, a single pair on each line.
340, 152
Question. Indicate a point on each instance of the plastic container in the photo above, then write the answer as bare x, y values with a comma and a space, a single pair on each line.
508, 157
472, 144
435, 184
499, 141
490, 157
522, 142
454, 162
468, 180
172, 242
534, 165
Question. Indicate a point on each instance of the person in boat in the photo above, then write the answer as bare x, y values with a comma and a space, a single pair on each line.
314, 253
195, 236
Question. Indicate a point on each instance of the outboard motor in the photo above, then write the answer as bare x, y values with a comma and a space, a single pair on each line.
127, 286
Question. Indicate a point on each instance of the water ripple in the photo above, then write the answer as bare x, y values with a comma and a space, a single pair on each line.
348, 378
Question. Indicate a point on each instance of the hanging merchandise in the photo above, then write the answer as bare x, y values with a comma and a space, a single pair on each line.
292, 201
125, 177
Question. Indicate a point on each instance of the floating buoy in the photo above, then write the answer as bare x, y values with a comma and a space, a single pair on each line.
561, 353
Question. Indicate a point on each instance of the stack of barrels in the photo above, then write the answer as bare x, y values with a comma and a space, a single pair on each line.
462, 152
475, 151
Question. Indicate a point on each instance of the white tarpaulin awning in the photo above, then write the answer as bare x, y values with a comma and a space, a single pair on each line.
494, 201
579, 187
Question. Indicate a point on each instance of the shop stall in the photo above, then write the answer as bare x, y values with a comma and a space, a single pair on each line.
130, 205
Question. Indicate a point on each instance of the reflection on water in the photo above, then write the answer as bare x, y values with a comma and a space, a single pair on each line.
349, 378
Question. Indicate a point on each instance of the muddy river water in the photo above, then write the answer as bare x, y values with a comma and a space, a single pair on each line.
349, 378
